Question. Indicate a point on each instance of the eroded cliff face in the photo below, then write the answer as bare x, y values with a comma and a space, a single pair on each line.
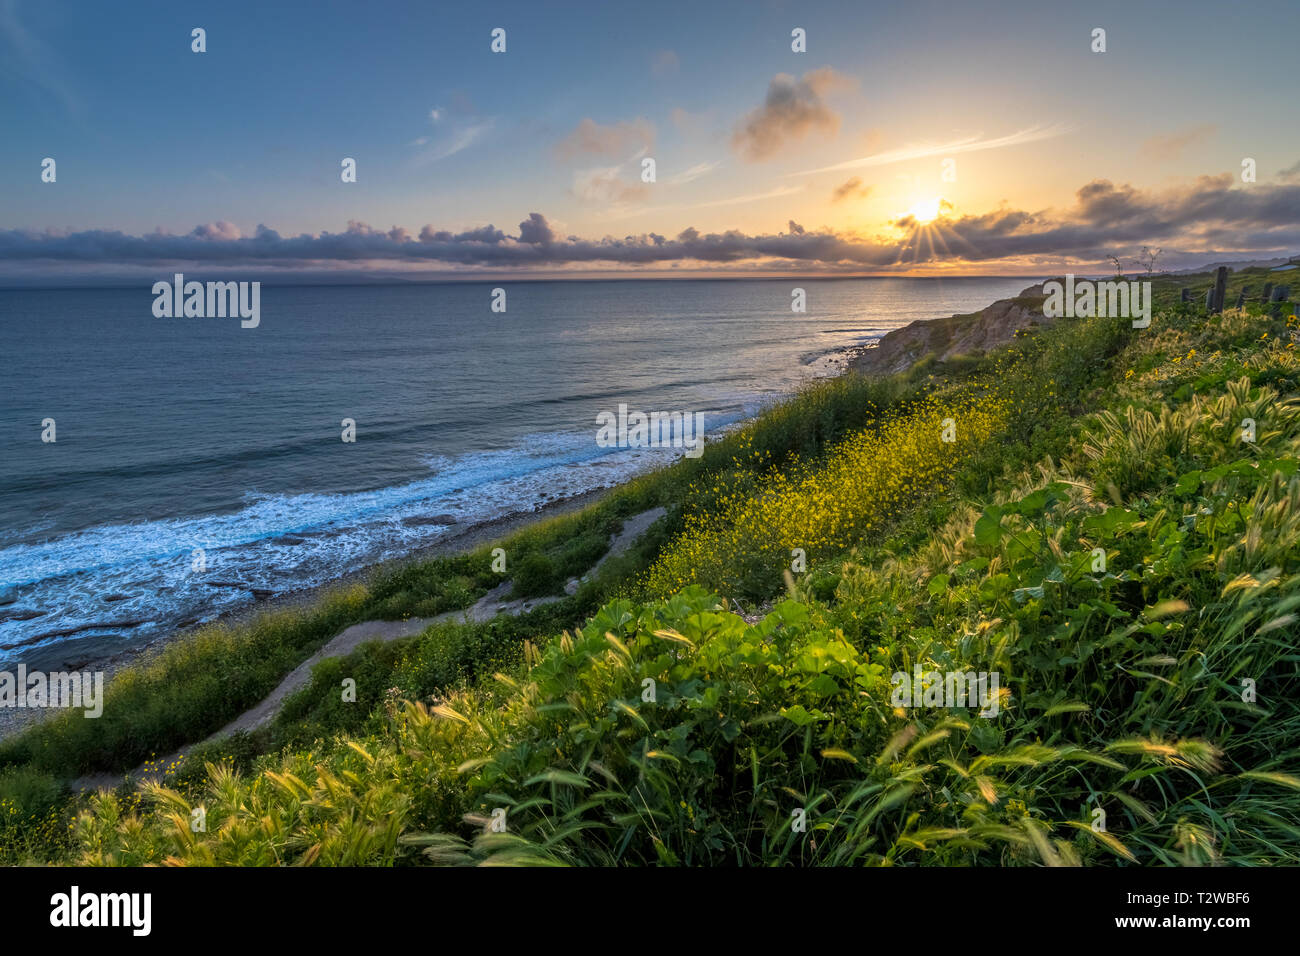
955, 335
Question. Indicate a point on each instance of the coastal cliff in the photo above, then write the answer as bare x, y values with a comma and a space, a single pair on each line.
957, 335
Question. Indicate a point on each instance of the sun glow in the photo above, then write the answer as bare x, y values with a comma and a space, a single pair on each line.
925, 232
926, 210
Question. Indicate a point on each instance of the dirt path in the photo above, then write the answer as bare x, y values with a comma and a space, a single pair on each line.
490, 605
633, 528
460, 540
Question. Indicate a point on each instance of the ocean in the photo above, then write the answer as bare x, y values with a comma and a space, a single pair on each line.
179, 439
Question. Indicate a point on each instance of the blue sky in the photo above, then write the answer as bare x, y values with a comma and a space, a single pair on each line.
150, 136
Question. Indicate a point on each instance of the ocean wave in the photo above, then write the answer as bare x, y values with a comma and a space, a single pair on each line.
139, 578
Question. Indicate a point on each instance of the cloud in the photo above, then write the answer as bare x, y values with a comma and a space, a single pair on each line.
968, 144
1210, 218
217, 231
850, 189
792, 110
605, 184
753, 197
488, 234
536, 230
453, 135
693, 173
455, 129
1291, 174
618, 139
462, 139
1163, 147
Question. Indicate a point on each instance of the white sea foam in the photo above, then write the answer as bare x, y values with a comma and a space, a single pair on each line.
149, 564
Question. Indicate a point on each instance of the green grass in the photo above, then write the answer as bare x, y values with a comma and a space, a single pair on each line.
1119, 556
197, 684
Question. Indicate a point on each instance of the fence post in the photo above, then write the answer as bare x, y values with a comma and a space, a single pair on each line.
1219, 289
1279, 295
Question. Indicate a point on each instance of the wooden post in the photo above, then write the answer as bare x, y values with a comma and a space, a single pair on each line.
1268, 287
1275, 300
1209, 300
1185, 296
1219, 289
1241, 299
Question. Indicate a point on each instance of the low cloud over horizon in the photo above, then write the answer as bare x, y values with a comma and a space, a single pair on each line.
1210, 218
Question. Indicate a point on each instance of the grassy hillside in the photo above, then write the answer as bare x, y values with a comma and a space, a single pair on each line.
1108, 519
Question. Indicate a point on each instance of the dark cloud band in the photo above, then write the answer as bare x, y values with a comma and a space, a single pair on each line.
1212, 215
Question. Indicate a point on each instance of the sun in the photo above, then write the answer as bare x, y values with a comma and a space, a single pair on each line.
926, 210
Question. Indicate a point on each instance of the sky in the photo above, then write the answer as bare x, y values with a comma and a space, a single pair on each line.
913, 138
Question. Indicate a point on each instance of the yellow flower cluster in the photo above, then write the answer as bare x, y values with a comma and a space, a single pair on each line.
824, 508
